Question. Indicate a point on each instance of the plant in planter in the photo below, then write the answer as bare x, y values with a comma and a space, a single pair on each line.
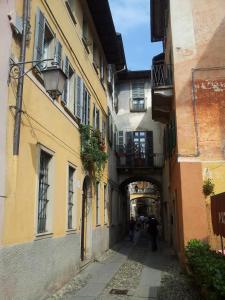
208, 187
93, 153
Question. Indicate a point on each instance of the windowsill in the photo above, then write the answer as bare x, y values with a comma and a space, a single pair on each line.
69, 112
85, 45
71, 231
44, 235
70, 13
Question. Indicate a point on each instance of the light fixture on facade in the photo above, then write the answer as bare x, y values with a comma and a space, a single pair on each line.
54, 78
54, 81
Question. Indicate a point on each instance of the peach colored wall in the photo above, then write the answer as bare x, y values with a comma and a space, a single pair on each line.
194, 208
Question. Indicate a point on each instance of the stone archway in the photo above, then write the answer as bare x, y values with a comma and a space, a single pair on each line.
86, 220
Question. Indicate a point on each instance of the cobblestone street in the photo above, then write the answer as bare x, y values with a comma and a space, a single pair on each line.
131, 271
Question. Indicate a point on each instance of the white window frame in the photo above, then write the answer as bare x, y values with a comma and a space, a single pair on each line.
106, 217
74, 210
50, 192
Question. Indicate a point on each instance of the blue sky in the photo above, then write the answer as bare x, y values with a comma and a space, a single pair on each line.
132, 20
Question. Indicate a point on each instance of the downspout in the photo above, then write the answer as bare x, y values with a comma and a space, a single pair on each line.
19, 96
195, 113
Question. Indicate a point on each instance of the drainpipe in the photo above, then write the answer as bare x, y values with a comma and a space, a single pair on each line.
19, 96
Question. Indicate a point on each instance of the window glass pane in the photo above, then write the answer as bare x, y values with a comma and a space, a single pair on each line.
43, 191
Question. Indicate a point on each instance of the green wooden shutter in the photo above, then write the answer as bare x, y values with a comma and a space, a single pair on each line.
94, 116
78, 98
58, 53
88, 109
75, 94
39, 37
66, 71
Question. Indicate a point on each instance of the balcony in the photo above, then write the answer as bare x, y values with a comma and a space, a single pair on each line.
162, 91
142, 191
129, 160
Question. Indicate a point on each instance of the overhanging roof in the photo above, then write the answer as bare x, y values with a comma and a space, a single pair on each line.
157, 8
111, 41
132, 75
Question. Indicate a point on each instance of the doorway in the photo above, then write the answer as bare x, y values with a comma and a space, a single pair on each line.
86, 221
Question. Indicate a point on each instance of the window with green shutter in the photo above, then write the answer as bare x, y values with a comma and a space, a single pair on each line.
138, 97
79, 97
45, 44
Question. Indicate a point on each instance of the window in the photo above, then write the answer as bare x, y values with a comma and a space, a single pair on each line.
79, 96
105, 204
45, 45
102, 68
85, 33
120, 141
43, 191
70, 4
70, 214
97, 204
95, 56
69, 90
103, 130
96, 118
138, 97
86, 108
110, 127
97, 124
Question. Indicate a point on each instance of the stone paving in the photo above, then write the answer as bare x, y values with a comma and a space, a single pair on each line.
133, 269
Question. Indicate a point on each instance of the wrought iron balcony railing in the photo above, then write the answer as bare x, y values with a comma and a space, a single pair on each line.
129, 160
142, 191
162, 75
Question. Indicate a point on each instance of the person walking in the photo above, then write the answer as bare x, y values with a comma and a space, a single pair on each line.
153, 231
132, 225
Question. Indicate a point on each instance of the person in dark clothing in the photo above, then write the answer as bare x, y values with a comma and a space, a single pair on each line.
132, 225
153, 230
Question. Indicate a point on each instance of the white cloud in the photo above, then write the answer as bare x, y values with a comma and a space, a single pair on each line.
129, 14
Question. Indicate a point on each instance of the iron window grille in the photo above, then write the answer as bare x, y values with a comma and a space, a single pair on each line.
70, 197
43, 191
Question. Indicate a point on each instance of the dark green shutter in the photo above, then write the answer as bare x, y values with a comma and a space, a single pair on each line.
94, 116
39, 37
58, 53
78, 98
66, 71
75, 93
88, 109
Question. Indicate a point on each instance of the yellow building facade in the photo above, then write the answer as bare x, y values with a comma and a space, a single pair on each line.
53, 219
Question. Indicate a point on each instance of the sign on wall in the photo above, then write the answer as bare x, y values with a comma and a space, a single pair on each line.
218, 214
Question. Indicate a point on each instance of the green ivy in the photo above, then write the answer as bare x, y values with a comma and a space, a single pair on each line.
93, 153
207, 267
208, 187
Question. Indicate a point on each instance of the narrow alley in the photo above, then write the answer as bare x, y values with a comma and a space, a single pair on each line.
131, 271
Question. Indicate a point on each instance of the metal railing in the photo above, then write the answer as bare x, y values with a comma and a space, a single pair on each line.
162, 75
133, 160
142, 191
